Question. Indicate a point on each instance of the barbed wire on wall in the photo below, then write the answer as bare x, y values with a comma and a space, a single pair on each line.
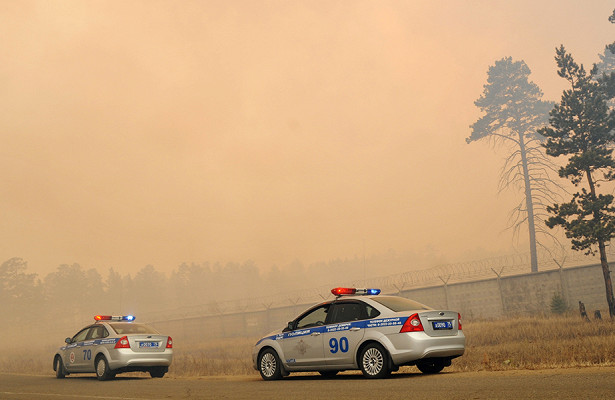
488, 268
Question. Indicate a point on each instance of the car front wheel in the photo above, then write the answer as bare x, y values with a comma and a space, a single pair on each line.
269, 365
103, 372
374, 361
59, 367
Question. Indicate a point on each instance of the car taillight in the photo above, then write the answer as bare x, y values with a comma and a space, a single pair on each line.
458, 321
169, 343
412, 324
122, 343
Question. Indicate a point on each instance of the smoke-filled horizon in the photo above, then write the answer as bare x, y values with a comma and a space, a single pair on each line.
156, 133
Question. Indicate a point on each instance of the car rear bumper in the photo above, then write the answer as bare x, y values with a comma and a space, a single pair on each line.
405, 348
128, 358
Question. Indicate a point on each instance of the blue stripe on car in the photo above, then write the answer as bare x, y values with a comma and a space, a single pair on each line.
94, 342
342, 326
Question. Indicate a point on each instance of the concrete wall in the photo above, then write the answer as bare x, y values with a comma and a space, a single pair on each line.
518, 294
487, 298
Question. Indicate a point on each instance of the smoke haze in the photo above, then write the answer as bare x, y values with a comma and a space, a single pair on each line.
158, 132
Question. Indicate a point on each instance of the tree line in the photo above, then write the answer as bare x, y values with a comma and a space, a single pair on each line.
84, 292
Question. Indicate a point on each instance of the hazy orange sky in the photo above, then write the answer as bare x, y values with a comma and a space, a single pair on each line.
157, 132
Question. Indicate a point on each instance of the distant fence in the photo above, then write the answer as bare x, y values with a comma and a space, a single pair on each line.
502, 293
442, 275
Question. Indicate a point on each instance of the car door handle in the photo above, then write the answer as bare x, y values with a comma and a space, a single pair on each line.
315, 333
354, 329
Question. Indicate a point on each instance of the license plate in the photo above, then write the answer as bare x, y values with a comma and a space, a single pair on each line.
148, 344
442, 325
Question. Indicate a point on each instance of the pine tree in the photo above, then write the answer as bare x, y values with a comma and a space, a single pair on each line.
581, 128
513, 111
558, 304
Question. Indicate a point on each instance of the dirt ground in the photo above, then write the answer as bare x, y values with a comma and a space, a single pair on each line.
578, 383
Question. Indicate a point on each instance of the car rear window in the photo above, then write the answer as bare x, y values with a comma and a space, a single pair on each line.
397, 304
127, 328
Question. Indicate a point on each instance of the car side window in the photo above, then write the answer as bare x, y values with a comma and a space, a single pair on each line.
351, 311
371, 312
316, 317
97, 332
81, 335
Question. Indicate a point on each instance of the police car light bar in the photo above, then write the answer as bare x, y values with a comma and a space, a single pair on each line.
349, 291
114, 318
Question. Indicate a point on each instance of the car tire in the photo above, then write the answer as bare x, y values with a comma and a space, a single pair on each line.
157, 372
103, 372
328, 374
269, 365
374, 361
59, 367
431, 366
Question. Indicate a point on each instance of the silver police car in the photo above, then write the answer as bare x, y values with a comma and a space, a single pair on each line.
112, 345
362, 330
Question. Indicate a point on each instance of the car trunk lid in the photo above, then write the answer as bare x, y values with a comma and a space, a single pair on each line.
440, 323
147, 343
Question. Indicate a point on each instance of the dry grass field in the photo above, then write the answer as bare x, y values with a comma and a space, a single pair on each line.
537, 343
506, 344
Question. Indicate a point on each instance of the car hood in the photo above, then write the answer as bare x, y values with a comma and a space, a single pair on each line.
273, 333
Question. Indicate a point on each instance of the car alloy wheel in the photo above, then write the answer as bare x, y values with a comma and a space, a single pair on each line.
269, 365
103, 372
374, 361
60, 372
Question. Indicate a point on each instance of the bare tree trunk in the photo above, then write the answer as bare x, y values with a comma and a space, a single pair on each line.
606, 272
530, 206
607, 278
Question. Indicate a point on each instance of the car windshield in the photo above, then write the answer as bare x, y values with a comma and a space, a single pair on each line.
127, 328
397, 304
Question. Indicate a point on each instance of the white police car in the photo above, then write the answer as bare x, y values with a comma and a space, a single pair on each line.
112, 345
362, 330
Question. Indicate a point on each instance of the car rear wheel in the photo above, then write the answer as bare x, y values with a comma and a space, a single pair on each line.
374, 361
432, 366
103, 372
269, 365
157, 372
59, 367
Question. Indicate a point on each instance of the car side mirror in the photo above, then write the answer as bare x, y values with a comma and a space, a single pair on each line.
67, 340
289, 327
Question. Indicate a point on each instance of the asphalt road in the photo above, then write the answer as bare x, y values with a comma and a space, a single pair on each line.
585, 383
